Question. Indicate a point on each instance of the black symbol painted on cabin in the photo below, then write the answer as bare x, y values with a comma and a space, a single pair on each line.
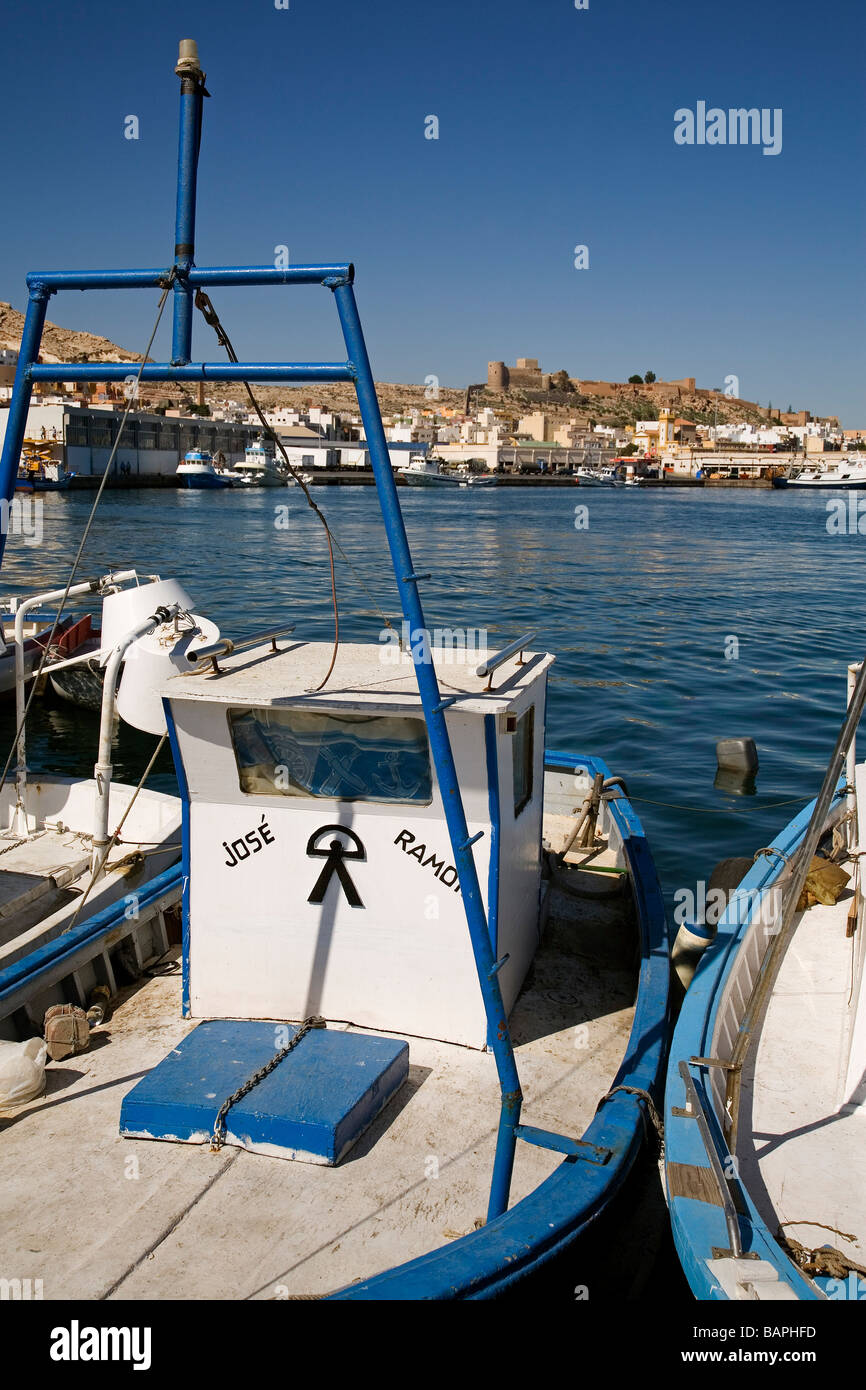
335, 856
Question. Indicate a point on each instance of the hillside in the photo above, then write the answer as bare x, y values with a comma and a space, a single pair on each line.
66, 345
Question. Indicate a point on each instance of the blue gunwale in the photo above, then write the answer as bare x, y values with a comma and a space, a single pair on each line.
699, 1226
537, 1229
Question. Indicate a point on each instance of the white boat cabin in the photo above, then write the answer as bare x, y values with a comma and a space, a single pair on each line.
320, 865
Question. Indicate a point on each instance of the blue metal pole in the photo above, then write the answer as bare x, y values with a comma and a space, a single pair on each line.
440, 747
16, 424
198, 275
307, 372
191, 96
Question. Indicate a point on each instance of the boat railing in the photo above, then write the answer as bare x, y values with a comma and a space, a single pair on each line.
494, 662
225, 647
694, 1110
796, 872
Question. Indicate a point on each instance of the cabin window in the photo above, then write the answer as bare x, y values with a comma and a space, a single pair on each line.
344, 757
522, 759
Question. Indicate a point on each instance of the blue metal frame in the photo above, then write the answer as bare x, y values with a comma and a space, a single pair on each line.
699, 1227
339, 279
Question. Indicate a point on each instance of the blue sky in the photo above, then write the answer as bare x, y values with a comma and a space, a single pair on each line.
556, 129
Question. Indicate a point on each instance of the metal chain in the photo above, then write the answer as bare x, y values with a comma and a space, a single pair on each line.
219, 1128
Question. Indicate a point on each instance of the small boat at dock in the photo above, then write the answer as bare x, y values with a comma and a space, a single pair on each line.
428, 472
197, 470
258, 468
841, 474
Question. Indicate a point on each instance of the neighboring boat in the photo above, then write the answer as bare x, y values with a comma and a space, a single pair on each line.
597, 477
480, 480
842, 474
198, 471
67, 842
258, 468
766, 1089
39, 470
76, 667
428, 472
379, 864
36, 632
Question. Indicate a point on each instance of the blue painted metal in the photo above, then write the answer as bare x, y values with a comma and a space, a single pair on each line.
699, 1227
42, 967
315, 1106
194, 371
440, 748
189, 143
562, 1143
158, 277
183, 789
16, 423
544, 1225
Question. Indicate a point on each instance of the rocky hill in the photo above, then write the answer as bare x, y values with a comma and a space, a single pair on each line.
61, 344
65, 345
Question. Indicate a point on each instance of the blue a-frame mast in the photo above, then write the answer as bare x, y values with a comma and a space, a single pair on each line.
185, 278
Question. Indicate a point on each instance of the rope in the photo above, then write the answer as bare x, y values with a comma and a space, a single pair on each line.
823, 1259
720, 811
219, 1128
204, 304
97, 499
651, 1112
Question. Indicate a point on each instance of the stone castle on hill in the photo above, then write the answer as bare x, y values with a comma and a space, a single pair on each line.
526, 375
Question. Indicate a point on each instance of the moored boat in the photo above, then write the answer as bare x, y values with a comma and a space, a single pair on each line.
766, 1088
841, 474
258, 468
428, 472
197, 470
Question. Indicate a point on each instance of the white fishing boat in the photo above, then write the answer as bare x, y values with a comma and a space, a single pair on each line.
70, 842
839, 473
428, 472
597, 477
35, 634
258, 468
197, 470
766, 1092
396, 902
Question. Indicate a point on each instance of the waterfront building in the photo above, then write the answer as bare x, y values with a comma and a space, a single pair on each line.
151, 445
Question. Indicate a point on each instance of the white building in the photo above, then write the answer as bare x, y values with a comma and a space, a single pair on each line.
151, 445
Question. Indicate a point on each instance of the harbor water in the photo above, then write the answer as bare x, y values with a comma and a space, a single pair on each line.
678, 617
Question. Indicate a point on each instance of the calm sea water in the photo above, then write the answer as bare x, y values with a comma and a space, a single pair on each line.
638, 607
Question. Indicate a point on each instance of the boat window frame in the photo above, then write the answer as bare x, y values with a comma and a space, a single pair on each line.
520, 803
302, 795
